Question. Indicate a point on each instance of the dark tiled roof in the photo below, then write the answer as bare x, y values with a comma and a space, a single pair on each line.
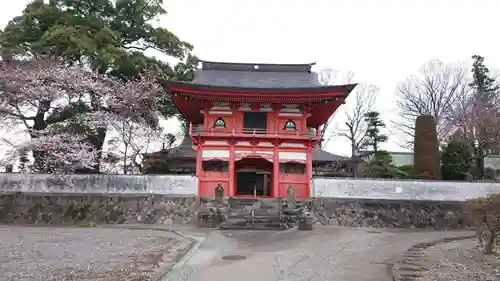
184, 150
263, 67
265, 76
323, 156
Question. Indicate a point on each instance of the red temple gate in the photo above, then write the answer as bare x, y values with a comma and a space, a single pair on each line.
255, 126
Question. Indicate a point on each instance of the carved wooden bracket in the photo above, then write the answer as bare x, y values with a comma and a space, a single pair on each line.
240, 156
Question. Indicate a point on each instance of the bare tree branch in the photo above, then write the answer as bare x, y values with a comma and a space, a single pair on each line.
132, 141
326, 77
432, 92
359, 103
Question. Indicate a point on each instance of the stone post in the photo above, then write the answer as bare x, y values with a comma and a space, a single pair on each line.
219, 194
291, 198
218, 216
9, 168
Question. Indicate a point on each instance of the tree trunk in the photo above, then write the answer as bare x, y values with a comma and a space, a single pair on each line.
125, 166
490, 245
479, 163
39, 124
97, 141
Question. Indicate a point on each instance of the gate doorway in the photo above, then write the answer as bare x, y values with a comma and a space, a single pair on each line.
253, 177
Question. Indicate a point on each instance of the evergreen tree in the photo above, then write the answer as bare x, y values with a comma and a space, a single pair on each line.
485, 91
110, 37
483, 85
381, 166
456, 161
406, 172
374, 137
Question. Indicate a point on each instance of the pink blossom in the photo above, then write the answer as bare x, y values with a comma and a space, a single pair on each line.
64, 152
43, 95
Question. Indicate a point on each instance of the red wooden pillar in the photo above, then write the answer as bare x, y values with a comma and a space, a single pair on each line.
232, 185
276, 173
308, 171
199, 160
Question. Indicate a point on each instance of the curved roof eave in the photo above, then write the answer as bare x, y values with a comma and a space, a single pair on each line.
171, 85
248, 63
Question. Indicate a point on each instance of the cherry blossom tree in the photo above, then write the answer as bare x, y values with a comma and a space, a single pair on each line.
54, 101
477, 123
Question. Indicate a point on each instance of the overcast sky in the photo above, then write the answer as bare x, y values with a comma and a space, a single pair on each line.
381, 41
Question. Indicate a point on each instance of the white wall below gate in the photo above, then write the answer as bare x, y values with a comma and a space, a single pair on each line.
401, 189
188, 185
155, 184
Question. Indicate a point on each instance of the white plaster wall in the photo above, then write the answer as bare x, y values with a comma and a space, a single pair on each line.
407, 190
292, 155
187, 185
215, 153
155, 184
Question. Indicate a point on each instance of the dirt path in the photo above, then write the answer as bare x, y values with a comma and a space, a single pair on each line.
460, 261
90, 254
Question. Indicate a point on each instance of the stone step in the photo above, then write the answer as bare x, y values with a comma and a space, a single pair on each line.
256, 218
242, 201
243, 207
259, 215
235, 222
250, 201
256, 226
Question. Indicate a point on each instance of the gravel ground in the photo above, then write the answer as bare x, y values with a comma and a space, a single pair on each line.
90, 254
460, 261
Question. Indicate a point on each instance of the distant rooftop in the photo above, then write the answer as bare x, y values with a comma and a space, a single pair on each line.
256, 75
399, 158
325, 156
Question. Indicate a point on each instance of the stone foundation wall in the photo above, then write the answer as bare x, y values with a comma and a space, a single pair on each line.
74, 209
390, 213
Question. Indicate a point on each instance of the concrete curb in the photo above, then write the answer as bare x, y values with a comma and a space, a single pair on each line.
166, 269
180, 254
411, 266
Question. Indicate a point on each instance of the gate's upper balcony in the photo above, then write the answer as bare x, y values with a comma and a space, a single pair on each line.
201, 131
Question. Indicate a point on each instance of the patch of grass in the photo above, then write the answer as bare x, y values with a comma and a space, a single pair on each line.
87, 224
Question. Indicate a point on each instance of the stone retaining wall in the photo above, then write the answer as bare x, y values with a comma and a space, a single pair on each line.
390, 213
74, 209
57, 208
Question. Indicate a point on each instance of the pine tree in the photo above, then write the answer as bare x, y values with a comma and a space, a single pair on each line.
374, 137
456, 161
482, 83
381, 166
485, 90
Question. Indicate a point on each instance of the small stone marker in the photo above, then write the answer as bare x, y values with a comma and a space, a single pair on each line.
291, 198
219, 194
9, 168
